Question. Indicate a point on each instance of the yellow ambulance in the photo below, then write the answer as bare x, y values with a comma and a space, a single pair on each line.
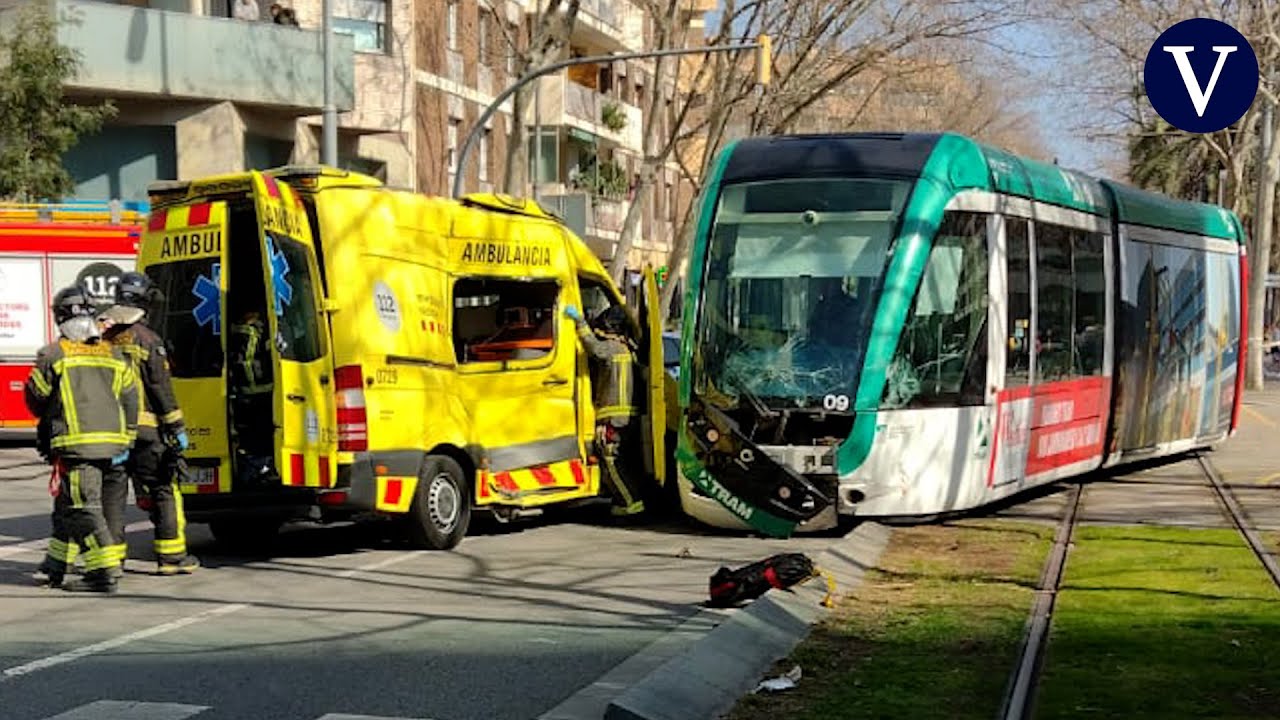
416, 364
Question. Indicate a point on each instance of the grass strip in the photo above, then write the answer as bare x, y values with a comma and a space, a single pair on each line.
932, 632
1160, 622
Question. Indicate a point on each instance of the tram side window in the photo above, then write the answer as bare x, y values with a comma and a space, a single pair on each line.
1055, 314
1090, 300
941, 358
1071, 296
1018, 324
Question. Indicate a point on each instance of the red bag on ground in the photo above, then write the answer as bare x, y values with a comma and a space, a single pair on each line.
729, 587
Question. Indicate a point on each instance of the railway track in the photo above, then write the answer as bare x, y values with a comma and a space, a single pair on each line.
1020, 691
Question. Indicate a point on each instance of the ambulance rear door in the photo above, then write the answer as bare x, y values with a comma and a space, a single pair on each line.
184, 251
306, 440
650, 356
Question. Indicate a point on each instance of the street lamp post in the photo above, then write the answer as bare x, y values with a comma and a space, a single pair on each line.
329, 119
761, 44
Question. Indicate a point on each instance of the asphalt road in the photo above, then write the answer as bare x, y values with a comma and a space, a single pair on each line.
341, 625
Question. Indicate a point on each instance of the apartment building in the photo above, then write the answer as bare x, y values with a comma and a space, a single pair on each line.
201, 90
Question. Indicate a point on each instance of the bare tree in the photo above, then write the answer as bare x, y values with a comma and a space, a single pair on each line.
550, 27
821, 47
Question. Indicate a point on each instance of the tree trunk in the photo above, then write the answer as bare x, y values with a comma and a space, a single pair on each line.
1260, 253
514, 178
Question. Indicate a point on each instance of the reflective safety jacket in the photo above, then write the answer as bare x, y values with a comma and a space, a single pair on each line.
613, 382
157, 406
87, 395
250, 369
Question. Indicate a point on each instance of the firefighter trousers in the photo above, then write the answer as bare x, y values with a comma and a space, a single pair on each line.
619, 449
79, 523
154, 482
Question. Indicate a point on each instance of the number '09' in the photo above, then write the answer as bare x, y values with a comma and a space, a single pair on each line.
838, 403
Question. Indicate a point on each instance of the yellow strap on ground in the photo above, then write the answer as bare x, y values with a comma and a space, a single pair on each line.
829, 600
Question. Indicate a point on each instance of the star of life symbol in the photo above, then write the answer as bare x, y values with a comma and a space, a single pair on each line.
206, 290
279, 276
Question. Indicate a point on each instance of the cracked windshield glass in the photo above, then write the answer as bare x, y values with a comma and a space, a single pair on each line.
793, 275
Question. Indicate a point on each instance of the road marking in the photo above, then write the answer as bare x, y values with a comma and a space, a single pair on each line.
76, 654
118, 710
340, 716
8, 551
384, 563
1266, 420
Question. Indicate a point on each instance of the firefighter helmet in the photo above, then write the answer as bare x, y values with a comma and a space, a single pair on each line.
71, 302
133, 290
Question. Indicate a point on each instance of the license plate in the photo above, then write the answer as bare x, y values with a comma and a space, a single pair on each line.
203, 476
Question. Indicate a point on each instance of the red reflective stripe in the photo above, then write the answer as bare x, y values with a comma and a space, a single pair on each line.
157, 220
505, 481
543, 476
579, 477
325, 480
392, 495
272, 188
199, 214
484, 484
298, 466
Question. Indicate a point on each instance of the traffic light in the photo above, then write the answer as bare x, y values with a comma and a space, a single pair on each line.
764, 60
661, 276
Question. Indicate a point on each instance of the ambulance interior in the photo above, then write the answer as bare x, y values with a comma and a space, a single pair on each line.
496, 320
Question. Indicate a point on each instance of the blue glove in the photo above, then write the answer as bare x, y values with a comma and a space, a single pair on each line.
182, 440
119, 459
573, 312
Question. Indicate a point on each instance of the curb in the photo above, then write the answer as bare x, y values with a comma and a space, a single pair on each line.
707, 677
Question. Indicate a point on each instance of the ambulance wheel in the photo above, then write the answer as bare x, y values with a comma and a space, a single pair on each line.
441, 509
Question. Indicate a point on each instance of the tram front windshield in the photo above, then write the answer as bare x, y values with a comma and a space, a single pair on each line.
793, 275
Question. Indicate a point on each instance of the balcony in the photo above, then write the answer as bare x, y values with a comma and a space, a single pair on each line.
563, 102
141, 51
596, 220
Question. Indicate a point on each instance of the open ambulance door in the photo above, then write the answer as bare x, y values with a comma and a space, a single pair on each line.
655, 420
302, 361
184, 252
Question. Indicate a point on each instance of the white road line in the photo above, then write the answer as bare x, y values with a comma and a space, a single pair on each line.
118, 710
76, 654
384, 563
8, 551
340, 716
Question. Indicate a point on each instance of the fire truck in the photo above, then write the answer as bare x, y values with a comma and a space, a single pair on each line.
45, 247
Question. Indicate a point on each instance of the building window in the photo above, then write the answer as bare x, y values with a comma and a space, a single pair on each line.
365, 21
451, 24
451, 144
484, 40
484, 155
513, 52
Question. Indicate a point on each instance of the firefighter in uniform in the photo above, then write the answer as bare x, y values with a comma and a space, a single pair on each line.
251, 388
613, 387
161, 429
85, 395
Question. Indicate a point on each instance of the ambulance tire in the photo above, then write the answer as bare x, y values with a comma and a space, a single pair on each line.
441, 509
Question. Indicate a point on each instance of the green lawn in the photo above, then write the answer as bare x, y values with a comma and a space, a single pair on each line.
932, 633
1163, 623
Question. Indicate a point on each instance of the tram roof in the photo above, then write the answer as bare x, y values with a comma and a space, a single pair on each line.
958, 161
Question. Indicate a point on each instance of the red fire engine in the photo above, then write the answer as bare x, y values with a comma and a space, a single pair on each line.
43, 248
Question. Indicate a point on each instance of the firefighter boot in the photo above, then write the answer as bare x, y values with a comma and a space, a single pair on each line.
48, 574
187, 565
94, 581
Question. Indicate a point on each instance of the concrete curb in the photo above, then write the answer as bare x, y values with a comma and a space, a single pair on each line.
707, 677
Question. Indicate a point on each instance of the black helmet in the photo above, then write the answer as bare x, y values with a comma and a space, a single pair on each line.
612, 320
71, 302
133, 290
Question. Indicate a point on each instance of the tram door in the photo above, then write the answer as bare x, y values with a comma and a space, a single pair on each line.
1013, 398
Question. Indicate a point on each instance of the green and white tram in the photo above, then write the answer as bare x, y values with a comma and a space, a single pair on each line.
912, 324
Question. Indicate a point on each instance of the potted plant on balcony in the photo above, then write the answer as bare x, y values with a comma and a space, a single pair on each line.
612, 117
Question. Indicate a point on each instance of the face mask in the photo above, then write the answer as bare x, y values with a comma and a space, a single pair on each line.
81, 328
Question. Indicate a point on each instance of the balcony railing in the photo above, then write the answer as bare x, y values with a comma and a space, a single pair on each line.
564, 102
137, 50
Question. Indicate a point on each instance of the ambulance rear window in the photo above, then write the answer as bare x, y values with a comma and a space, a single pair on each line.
188, 316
